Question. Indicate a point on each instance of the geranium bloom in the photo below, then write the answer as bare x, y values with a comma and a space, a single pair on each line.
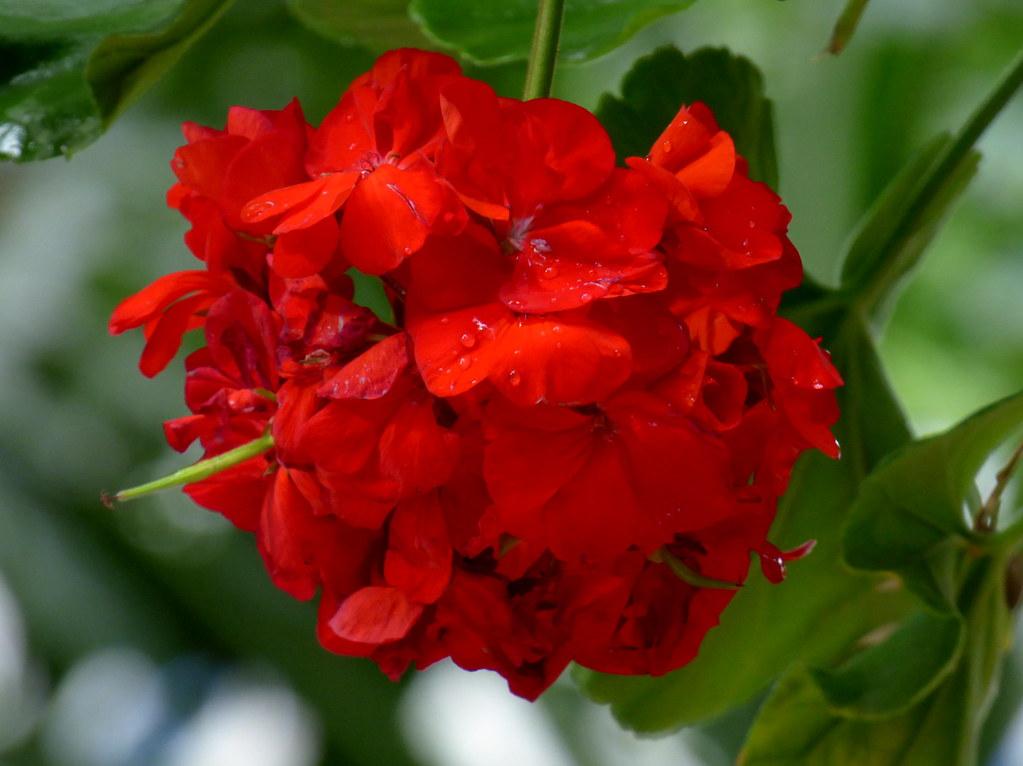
373, 152
573, 435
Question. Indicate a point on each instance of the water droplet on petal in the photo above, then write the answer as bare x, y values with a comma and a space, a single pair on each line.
585, 297
666, 145
464, 362
468, 339
514, 379
540, 245
550, 271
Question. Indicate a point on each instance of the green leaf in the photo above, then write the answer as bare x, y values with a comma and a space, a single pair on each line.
658, 84
894, 675
917, 500
69, 68
490, 32
768, 627
377, 24
846, 25
798, 725
894, 233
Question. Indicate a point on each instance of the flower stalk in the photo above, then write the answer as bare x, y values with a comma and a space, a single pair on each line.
543, 53
195, 472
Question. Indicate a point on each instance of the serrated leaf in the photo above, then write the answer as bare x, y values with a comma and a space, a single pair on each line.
657, 85
917, 500
786, 619
489, 32
798, 727
69, 68
378, 24
893, 235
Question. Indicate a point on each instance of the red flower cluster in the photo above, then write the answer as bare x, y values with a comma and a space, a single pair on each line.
578, 424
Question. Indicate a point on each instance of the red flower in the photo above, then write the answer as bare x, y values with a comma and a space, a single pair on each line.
374, 148
576, 429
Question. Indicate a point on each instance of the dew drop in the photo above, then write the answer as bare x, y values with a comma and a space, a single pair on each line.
514, 379
468, 339
464, 362
666, 145
585, 297
550, 271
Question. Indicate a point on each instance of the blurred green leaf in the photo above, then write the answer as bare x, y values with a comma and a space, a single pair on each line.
657, 85
377, 24
798, 726
67, 69
890, 677
489, 32
917, 500
846, 25
819, 590
893, 235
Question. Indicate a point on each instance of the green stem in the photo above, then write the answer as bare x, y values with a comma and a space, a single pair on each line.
931, 188
684, 573
544, 52
196, 472
846, 25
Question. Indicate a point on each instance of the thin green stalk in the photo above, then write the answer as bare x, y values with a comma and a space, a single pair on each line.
1010, 82
544, 52
684, 573
196, 472
846, 25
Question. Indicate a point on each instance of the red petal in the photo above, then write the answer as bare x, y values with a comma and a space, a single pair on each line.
685, 138
543, 359
563, 153
390, 215
371, 374
573, 263
305, 252
140, 307
375, 615
709, 175
165, 340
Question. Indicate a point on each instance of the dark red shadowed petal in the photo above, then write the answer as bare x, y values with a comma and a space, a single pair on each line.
415, 452
418, 559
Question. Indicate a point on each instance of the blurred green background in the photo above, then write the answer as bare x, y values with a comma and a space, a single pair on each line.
150, 635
